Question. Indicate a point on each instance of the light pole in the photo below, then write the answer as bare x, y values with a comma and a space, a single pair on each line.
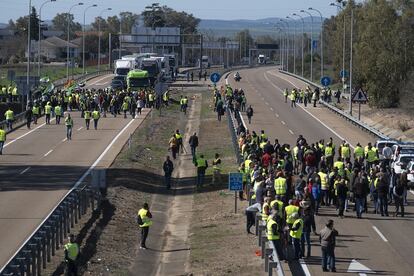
311, 43
83, 36
28, 52
287, 43
99, 37
67, 46
343, 47
281, 46
40, 37
153, 8
312, 9
294, 44
303, 31
120, 34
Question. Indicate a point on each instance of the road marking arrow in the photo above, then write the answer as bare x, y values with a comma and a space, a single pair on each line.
357, 267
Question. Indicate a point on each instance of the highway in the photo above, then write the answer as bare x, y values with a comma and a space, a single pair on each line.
380, 244
39, 166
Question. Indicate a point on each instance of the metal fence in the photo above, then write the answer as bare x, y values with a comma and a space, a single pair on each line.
37, 250
343, 114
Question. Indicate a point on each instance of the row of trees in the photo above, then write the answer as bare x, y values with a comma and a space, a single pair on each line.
383, 36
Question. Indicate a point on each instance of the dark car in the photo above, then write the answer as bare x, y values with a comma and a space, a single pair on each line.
117, 84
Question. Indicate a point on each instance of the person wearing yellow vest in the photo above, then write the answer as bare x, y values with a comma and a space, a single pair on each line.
165, 98
9, 118
329, 154
69, 126
216, 169
285, 94
15, 94
293, 98
278, 205
125, 108
87, 116
71, 256
48, 111
274, 230
341, 166
266, 209
202, 166
324, 186
96, 115
371, 155
58, 113
289, 211
36, 113
345, 151
179, 138
2, 139
280, 185
144, 222
3, 92
358, 151
296, 234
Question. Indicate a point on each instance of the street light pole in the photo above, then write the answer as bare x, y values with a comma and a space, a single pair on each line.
303, 32
311, 42
287, 44
280, 46
83, 36
40, 37
343, 45
312, 9
67, 43
28, 52
294, 44
120, 34
350, 67
99, 37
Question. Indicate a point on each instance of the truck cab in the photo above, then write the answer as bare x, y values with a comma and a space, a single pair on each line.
153, 66
138, 79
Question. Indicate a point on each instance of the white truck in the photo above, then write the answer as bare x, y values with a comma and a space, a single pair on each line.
261, 59
123, 66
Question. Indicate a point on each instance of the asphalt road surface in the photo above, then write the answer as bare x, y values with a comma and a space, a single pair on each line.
39, 166
382, 245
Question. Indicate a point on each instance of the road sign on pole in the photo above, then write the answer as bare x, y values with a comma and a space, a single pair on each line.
235, 184
11, 75
326, 81
360, 96
343, 74
215, 77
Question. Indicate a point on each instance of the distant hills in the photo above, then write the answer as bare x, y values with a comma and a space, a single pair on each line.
265, 26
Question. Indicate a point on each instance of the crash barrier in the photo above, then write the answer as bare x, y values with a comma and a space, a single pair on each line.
268, 252
343, 114
50, 235
19, 119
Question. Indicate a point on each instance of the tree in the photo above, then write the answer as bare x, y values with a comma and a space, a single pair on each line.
113, 24
246, 41
22, 25
128, 20
102, 21
60, 23
11, 25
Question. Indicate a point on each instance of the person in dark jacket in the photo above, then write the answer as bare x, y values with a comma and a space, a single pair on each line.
193, 141
342, 191
249, 113
29, 115
168, 168
308, 226
382, 188
361, 190
398, 193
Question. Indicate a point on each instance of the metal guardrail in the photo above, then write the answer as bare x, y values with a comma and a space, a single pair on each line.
347, 116
36, 252
19, 119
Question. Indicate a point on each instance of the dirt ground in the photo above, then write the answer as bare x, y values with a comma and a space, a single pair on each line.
219, 243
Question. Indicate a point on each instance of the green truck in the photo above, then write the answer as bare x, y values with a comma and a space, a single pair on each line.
137, 79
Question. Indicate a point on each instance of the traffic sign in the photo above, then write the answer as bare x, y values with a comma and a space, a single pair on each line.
235, 181
326, 81
215, 77
360, 96
343, 74
314, 44
11, 75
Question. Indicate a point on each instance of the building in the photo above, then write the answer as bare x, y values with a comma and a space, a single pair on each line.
54, 49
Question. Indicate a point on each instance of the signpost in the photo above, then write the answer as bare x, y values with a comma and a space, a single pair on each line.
360, 97
11, 75
326, 81
215, 77
235, 184
343, 74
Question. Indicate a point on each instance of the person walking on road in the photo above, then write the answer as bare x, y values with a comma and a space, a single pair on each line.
96, 115
69, 126
9, 118
202, 166
28, 115
36, 112
274, 232
193, 141
71, 256
2, 139
144, 222
173, 146
216, 169
58, 113
87, 116
327, 238
308, 227
296, 235
168, 168
48, 111
249, 113
220, 109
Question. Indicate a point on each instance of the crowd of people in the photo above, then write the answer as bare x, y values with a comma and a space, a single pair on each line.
291, 183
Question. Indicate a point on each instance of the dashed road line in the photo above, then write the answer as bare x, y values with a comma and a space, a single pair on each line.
271, 108
277, 115
25, 170
64, 140
79, 128
380, 234
47, 153
283, 123
266, 103
291, 132
304, 267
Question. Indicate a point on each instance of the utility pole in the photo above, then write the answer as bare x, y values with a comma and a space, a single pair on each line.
312, 9
311, 44
350, 69
303, 32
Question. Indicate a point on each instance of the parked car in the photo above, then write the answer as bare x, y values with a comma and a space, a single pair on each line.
117, 84
404, 148
400, 164
380, 145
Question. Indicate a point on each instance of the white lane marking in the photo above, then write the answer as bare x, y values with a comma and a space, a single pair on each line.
277, 115
271, 108
379, 233
304, 109
27, 133
291, 132
25, 170
47, 153
79, 128
73, 188
64, 140
304, 267
267, 103
283, 123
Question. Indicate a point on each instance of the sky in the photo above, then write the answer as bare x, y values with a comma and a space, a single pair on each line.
204, 9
